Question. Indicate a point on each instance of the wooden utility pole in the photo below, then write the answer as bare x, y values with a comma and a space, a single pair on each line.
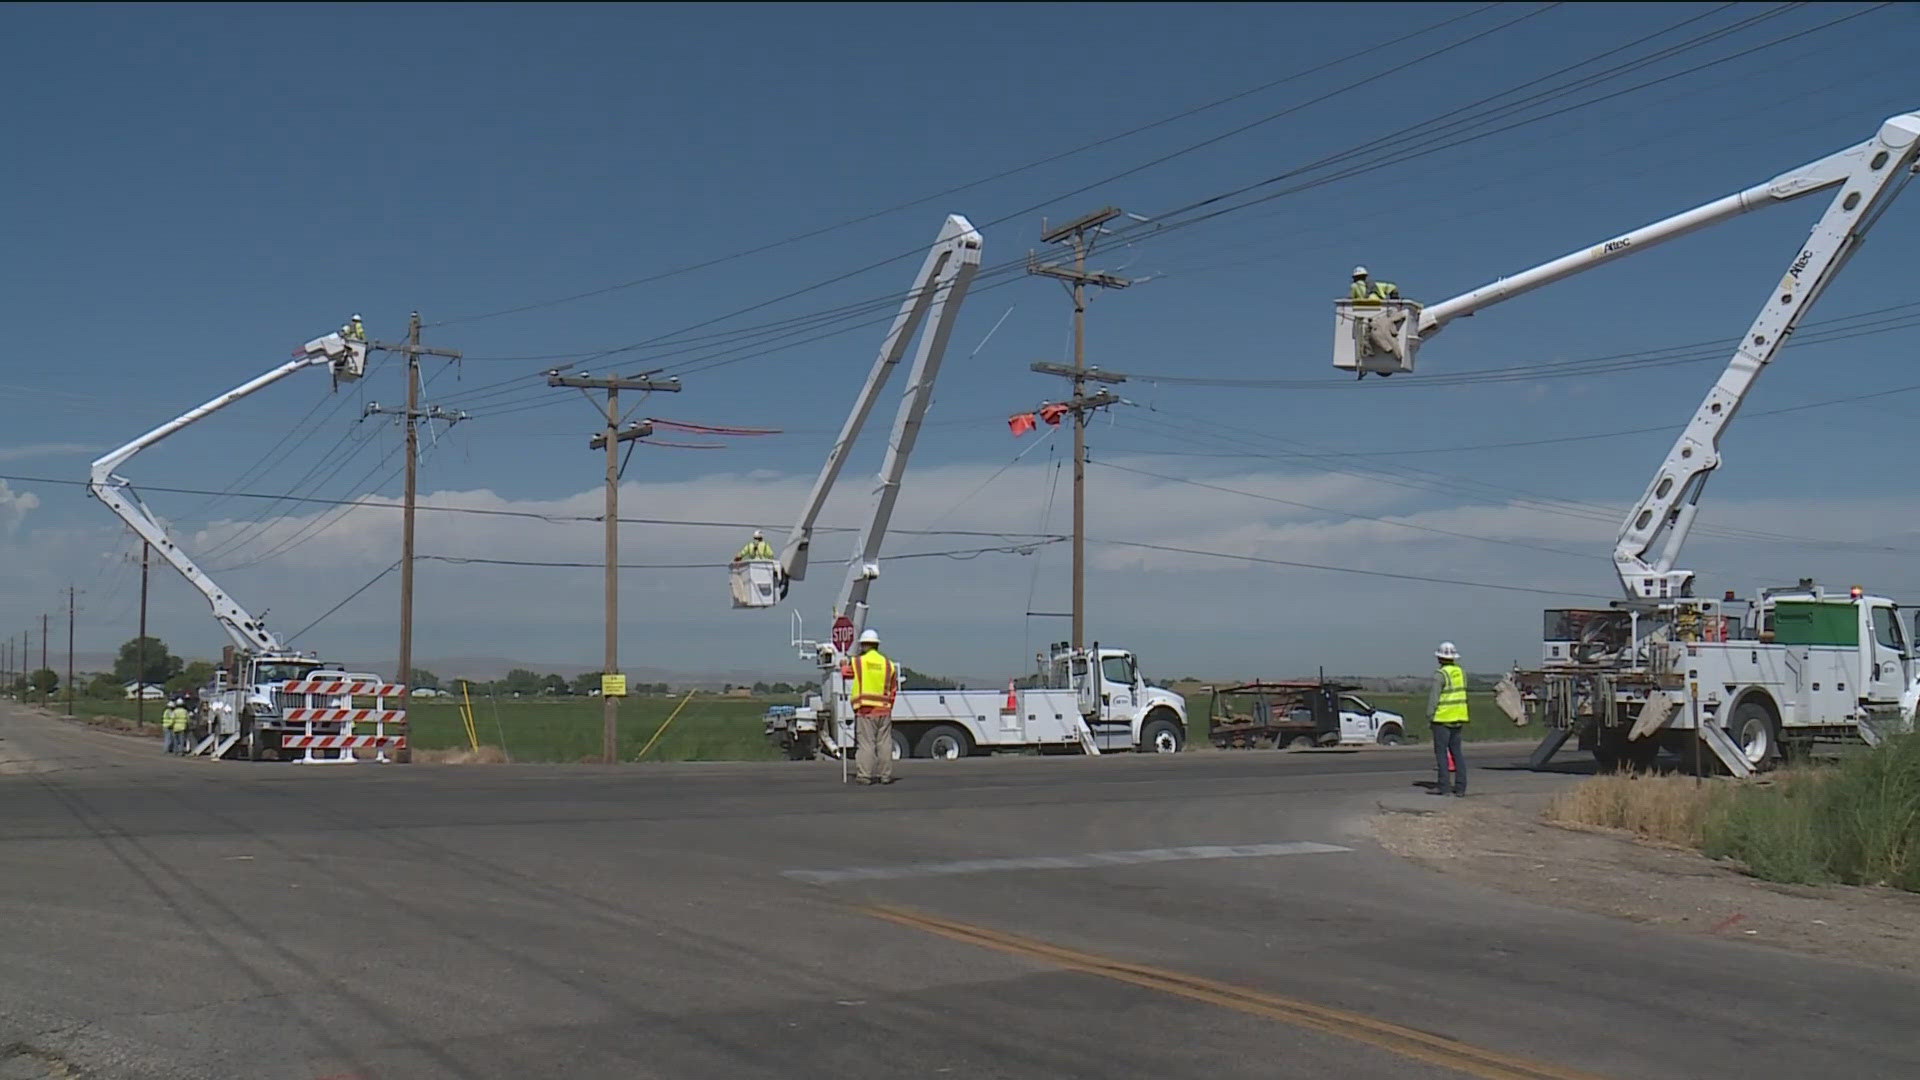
69, 650
1081, 233
140, 677
610, 439
412, 415
43, 641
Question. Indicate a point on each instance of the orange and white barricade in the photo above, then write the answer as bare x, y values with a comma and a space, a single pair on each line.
327, 725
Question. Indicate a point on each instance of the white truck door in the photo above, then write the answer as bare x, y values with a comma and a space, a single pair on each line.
1357, 720
1883, 653
1114, 728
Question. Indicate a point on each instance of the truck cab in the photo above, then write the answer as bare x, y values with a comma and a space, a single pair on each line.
1121, 707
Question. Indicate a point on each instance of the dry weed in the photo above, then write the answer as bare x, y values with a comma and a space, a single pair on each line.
1668, 809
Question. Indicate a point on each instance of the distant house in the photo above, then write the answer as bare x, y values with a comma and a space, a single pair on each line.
148, 691
740, 691
428, 691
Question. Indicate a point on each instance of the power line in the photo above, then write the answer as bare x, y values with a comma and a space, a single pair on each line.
371, 582
1003, 174
676, 338
1162, 228
962, 554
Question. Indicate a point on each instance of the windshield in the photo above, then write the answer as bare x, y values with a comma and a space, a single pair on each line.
281, 672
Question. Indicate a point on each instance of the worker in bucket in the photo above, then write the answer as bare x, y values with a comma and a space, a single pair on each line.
875, 682
1447, 711
1364, 288
355, 330
757, 548
1384, 329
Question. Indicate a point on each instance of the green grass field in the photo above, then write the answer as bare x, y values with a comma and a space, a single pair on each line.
711, 727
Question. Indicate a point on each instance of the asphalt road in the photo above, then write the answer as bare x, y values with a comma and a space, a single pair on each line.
1215, 914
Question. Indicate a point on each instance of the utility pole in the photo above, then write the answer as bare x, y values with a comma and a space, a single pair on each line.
1081, 233
43, 641
140, 677
69, 651
412, 416
610, 439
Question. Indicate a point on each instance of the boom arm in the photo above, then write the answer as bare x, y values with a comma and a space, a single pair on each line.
348, 360
939, 290
1869, 175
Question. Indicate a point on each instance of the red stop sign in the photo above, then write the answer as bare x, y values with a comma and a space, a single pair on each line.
843, 634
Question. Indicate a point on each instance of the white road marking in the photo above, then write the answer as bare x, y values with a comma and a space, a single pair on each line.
1084, 861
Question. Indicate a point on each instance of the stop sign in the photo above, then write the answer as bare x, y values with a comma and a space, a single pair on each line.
843, 634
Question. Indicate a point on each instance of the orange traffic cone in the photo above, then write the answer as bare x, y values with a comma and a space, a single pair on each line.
1451, 767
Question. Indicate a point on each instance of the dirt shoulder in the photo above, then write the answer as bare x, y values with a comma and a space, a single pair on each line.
1502, 843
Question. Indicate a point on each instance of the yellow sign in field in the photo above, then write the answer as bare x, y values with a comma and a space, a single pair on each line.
613, 685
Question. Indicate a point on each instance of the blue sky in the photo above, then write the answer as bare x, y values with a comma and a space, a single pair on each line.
197, 189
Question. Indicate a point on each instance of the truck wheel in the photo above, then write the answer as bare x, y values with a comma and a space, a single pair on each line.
1389, 736
944, 742
1301, 742
1754, 731
1162, 736
902, 748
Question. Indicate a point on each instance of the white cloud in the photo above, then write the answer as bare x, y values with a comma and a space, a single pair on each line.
1185, 613
48, 449
15, 506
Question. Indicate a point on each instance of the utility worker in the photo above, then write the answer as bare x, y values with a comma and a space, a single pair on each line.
1447, 709
355, 330
1362, 289
875, 683
174, 719
1383, 331
757, 548
1365, 289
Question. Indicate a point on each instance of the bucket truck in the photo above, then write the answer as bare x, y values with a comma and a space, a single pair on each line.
1750, 679
266, 698
1087, 700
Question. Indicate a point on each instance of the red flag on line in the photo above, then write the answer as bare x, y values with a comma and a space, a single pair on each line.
1052, 412
1021, 423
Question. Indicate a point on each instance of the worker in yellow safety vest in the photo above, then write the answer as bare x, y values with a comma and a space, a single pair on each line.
757, 548
874, 681
1447, 710
174, 721
1364, 288
355, 330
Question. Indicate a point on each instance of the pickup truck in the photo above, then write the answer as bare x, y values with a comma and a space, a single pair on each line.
1298, 715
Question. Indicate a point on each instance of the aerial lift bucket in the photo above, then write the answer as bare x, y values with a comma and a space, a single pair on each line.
1375, 336
755, 582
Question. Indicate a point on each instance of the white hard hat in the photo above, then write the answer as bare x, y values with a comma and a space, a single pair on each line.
869, 637
1359, 271
356, 315
758, 535
1447, 651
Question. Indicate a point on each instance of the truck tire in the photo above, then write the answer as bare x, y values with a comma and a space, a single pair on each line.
1162, 735
1390, 735
902, 745
1301, 742
944, 742
1754, 730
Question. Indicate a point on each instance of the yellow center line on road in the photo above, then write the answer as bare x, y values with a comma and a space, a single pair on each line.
1407, 1042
